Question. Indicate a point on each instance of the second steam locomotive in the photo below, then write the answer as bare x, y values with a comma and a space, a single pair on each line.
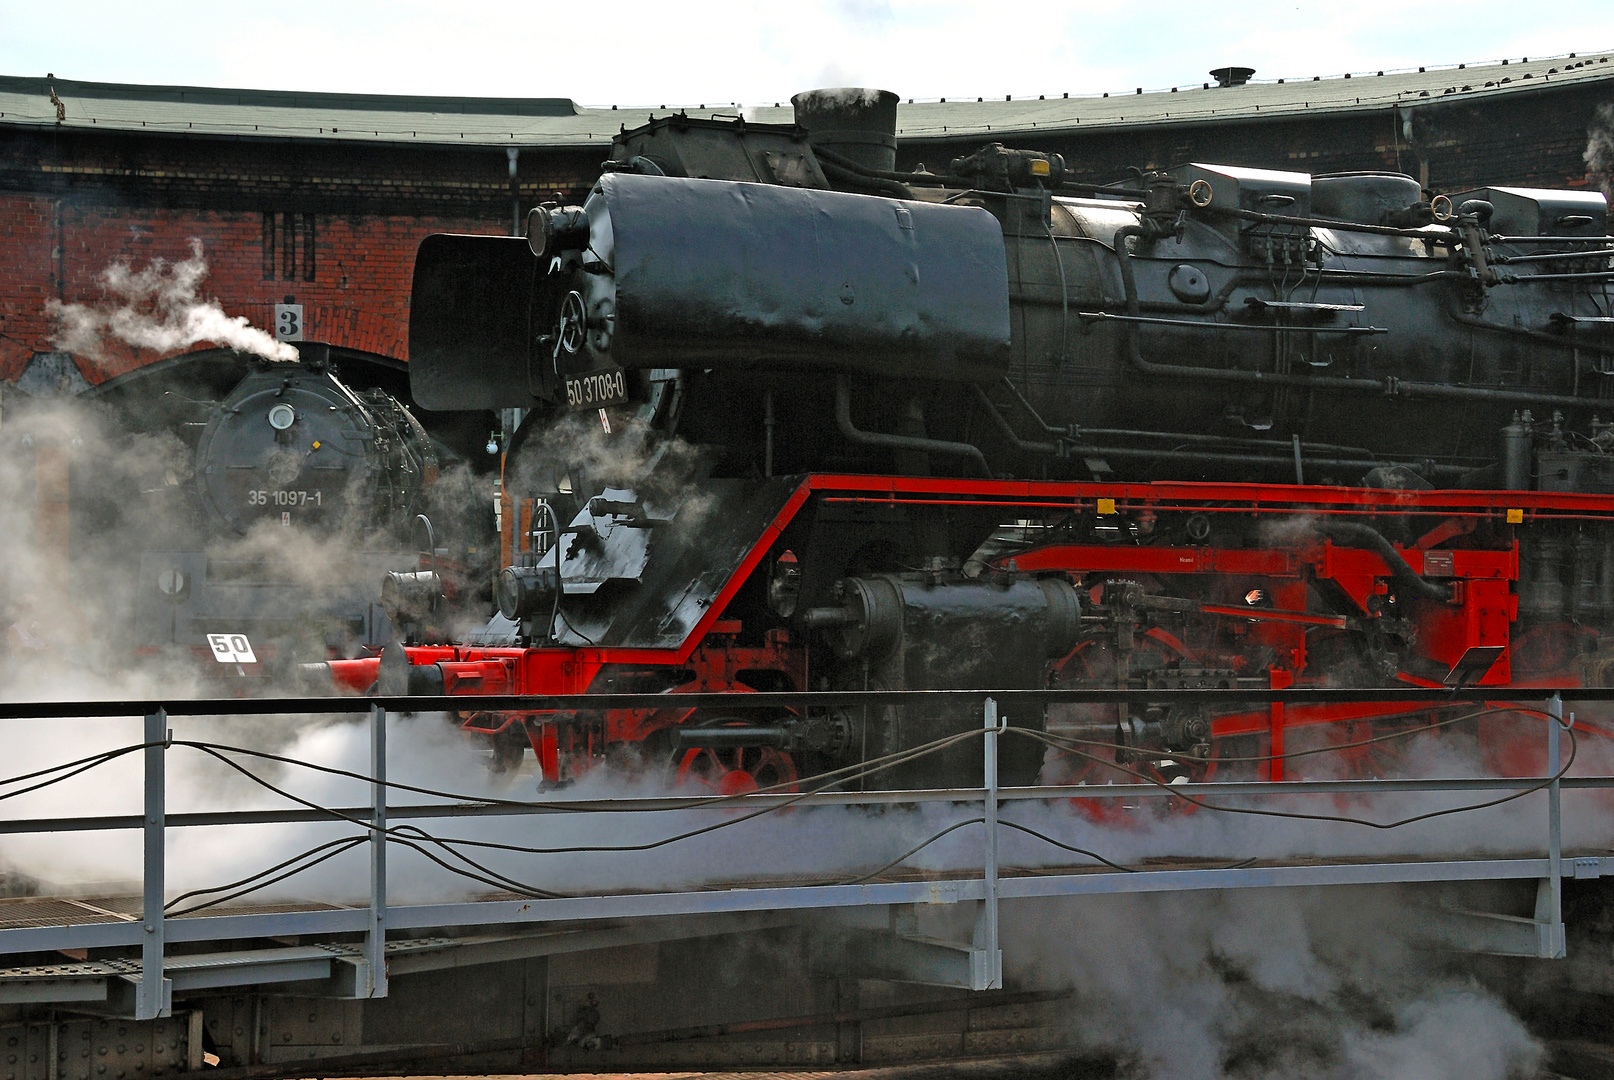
794, 419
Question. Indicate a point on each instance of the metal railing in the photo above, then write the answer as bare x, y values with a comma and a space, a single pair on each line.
155, 931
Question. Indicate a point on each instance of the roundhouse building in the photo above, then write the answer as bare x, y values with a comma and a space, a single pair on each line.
319, 200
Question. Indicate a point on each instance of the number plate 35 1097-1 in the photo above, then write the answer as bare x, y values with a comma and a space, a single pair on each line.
597, 389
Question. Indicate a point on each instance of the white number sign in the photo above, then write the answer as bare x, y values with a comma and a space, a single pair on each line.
231, 649
289, 322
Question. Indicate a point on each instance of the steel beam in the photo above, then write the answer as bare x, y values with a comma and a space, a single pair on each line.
374, 981
1554, 945
986, 959
153, 996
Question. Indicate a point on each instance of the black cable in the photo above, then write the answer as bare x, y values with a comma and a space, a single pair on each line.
94, 761
1095, 856
262, 873
1191, 759
1574, 747
703, 801
914, 850
352, 843
493, 877
487, 875
448, 842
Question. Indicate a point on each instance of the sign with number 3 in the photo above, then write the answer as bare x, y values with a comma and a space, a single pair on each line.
288, 322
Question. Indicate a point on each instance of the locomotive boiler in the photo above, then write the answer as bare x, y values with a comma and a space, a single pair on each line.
795, 419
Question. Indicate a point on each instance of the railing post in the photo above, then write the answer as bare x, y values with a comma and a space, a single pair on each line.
152, 995
986, 966
1556, 947
375, 938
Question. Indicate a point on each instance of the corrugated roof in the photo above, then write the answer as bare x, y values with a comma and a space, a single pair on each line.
559, 122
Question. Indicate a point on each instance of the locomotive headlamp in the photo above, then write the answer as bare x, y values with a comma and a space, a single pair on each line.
525, 591
553, 229
282, 416
173, 583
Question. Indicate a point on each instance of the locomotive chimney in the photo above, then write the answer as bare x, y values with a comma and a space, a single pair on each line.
852, 122
1232, 76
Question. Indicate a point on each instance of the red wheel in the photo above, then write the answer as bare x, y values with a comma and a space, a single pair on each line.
737, 772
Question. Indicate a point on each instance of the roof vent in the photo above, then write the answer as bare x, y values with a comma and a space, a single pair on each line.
1232, 76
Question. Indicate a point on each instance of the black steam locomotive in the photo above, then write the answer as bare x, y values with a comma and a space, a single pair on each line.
279, 496
1212, 322
794, 418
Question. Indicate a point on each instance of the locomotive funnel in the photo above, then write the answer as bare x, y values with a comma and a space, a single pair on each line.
851, 122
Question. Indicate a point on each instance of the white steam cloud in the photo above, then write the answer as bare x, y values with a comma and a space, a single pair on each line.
1297, 984
157, 308
1599, 154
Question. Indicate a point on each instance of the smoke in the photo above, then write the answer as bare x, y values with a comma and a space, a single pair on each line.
840, 97
1298, 984
577, 453
1599, 154
157, 308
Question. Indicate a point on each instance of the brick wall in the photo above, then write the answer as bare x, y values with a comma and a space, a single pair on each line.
334, 227
358, 298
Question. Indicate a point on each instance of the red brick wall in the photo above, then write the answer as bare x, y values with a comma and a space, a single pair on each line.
359, 297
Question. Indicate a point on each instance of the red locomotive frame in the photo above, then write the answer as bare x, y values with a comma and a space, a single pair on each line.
1482, 612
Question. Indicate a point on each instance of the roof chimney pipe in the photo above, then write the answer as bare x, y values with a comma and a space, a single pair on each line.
1232, 76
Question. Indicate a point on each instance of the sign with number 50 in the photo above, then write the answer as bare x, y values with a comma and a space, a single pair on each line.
231, 649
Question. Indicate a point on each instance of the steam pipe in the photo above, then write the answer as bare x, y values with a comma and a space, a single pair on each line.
1391, 387
1554, 256
1276, 460
1322, 223
847, 176
843, 419
730, 738
1007, 429
944, 179
846, 164
1369, 537
1367, 461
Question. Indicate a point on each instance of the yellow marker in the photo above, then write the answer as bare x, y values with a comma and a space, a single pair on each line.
1039, 167
1515, 517
316, 444
1107, 506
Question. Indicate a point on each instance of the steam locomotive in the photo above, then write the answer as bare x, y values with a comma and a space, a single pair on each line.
794, 419
285, 495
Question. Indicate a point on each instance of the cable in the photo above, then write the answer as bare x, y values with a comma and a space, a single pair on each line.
346, 845
1069, 742
449, 842
914, 850
1574, 747
220, 888
93, 761
697, 802
1288, 754
400, 834
1058, 844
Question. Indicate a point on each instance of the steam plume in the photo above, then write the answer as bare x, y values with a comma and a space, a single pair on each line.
1599, 154
157, 308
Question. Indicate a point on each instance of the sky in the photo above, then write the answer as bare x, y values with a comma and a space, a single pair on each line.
634, 52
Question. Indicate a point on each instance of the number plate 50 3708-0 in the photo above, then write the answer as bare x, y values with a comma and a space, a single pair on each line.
597, 389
